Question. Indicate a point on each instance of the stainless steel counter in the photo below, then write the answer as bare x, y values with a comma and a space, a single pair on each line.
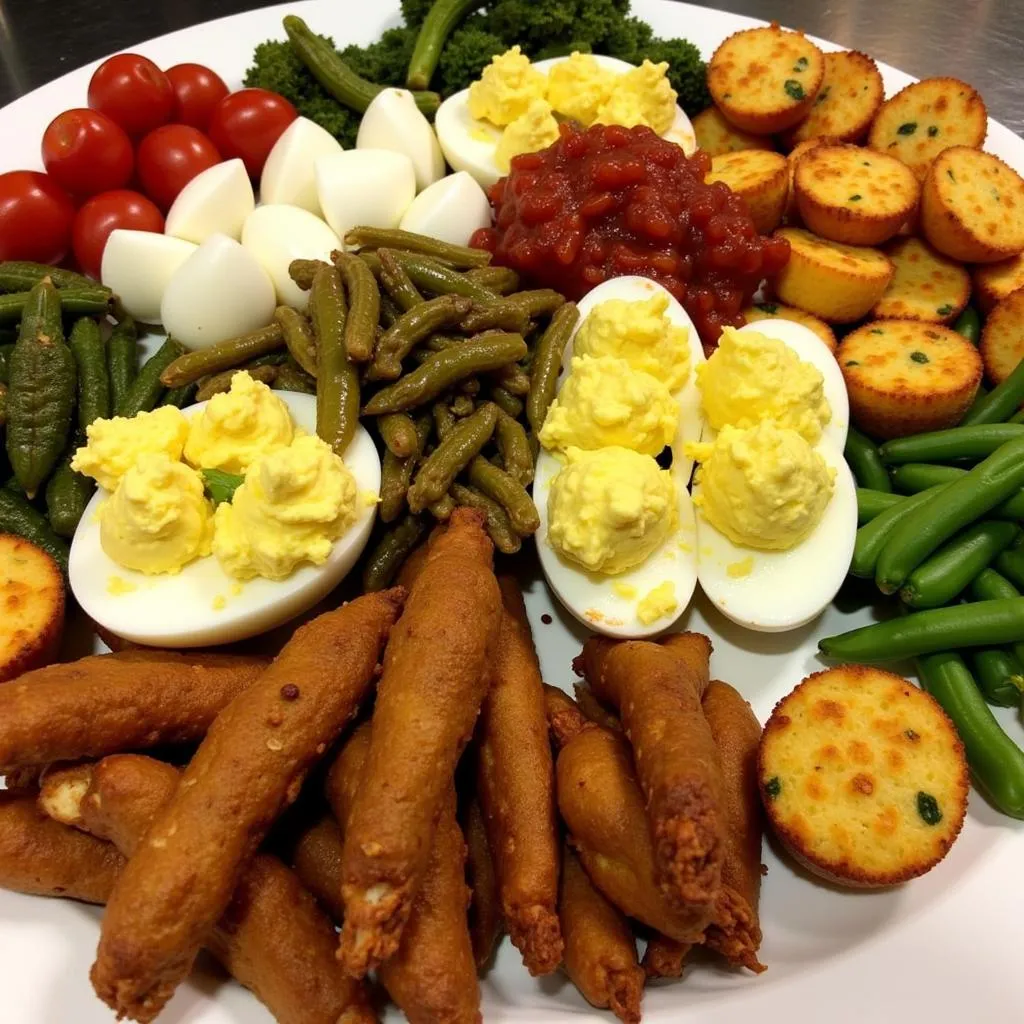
980, 41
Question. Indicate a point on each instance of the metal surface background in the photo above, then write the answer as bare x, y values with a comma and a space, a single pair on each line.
979, 41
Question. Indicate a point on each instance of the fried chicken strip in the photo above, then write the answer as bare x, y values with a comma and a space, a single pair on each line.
436, 674
485, 921
656, 691
600, 951
515, 780
664, 957
432, 975
113, 702
594, 709
248, 769
565, 719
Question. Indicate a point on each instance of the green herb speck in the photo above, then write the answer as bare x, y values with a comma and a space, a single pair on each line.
918, 357
995, 195
911, 735
907, 129
856, 197
950, 175
770, 308
800, 64
944, 310
822, 95
865, 163
928, 808
877, 330
851, 362
773, 788
933, 130
794, 90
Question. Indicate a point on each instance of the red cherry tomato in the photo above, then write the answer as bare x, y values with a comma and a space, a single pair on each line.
85, 152
169, 158
105, 213
248, 123
133, 92
35, 217
197, 90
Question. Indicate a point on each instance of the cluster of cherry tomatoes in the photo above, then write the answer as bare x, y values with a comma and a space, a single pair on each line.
120, 162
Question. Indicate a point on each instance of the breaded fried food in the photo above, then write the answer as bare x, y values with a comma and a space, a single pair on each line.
516, 789
432, 974
664, 957
565, 718
735, 932
436, 674
112, 702
594, 710
248, 769
600, 951
41, 857
32, 597
485, 923
61, 789
657, 692
272, 937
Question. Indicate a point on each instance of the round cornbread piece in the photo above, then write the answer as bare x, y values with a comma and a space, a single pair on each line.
905, 377
993, 282
795, 154
851, 93
1002, 338
925, 118
853, 195
764, 80
926, 285
863, 777
777, 311
761, 178
839, 283
715, 135
972, 206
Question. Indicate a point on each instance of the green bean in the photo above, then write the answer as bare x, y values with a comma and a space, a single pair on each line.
873, 503
180, 397
991, 585
498, 316
399, 434
411, 328
148, 386
5, 362
547, 362
372, 260
997, 763
940, 578
225, 355
219, 383
411, 243
337, 387
390, 311
3, 404
444, 369
24, 275
396, 473
302, 271
363, 306
1011, 565
1000, 676
502, 280
396, 282
514, 447
862, 455
508, 492
19, 516
972, 442
507, 402
90, 354
291, 377
298, 337
523, 305
463, 405
443, 508
444, 419
391, 551
1017, 417
499, 529
973, 495
91, 301
122, 361
443, 17
336, 77
872, 536
968, 323
1001, 402
430, 275
913, 477
456, 450
67, 495
514, 379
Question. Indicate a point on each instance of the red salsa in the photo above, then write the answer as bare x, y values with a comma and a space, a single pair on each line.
611, 201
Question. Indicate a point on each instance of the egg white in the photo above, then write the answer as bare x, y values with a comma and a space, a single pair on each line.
469, 145
177, 611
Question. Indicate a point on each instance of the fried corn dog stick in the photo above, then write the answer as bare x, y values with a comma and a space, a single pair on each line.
565, 719
600, 951
595, 711
485, 923
434, 681
41, 857
657, 692
113, 702
248, 769
735, 932
516, 790
272, 937
432, 974
664, 957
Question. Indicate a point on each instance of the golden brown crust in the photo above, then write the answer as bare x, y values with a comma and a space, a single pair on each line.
994, 282
925, 286
32, 594
485, 921
1002, 338
594, 710
715, 135
761, 177
565, 719
248, 769
664, 957
111, 702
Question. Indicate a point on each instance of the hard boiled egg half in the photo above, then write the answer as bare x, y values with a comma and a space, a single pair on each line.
469, 144
201, 605
774, 591
610, 604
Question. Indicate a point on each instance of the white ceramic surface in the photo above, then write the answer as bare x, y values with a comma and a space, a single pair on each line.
945, 948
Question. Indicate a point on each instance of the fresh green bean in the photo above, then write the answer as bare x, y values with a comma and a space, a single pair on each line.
91, 301
1011, 565
862, 455
391, 551
1000, 676
298, 337
499, 529
514, 447
547, 362
874, 503
122, 361
396, 282
399, 434
180, 397
90, 354
973, 495
411, 243
430, 275
363, 306
148, 387
396, 473
225, 355
411, 328
913, 477
337, 386
24, 275
302, 271
456, 450
502, 280
443, 17
872, 536
219, 383
508, 492
991, 585
521, 306
1001, 402
507, 402
444, 369
968, 323
19, 516
974, 442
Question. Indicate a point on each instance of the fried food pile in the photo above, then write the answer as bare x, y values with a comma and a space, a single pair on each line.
389, 794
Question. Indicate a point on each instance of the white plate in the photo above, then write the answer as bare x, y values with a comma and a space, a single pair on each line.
945, 948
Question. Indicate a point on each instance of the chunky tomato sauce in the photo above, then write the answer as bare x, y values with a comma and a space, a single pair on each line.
611, 201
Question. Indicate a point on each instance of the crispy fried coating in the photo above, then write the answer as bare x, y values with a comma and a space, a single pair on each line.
248, 769
42, 857
603, 809
595, 711
735, 932
113, 702
600, 951
485, 922
657, 692
436, 674
664, 957
432, 974
515, 783
61, 790
272, 937
565, 719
